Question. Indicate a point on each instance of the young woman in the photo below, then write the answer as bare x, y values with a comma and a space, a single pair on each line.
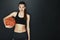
22, 27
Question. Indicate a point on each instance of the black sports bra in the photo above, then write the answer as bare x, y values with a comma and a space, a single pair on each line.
20, 20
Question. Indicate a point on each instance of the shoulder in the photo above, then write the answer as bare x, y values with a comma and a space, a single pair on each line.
14, 13
28, 16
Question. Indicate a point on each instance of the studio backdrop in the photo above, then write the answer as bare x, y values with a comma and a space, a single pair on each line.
44, 18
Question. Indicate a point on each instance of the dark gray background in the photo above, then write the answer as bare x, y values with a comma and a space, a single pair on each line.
44, 18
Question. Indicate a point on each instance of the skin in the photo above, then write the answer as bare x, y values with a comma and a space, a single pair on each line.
19, 28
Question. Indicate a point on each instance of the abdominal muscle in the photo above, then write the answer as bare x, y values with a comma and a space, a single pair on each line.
19, 28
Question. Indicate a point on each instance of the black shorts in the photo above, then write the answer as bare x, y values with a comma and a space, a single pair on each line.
20, 36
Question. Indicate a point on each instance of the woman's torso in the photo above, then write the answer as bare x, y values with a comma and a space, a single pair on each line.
20, 24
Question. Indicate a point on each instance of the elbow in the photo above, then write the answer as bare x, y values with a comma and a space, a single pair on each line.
3, 18
28, 29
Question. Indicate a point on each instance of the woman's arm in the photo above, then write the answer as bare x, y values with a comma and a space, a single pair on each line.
10, 15
28, 26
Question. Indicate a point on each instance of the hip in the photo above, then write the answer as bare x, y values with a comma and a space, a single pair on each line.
20, 35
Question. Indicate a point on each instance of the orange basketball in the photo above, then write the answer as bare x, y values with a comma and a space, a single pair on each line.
10, 21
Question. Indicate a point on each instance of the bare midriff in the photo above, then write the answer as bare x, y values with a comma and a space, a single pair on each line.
19, 28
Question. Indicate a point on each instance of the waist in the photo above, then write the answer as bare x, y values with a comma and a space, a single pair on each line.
19, 31
20, 28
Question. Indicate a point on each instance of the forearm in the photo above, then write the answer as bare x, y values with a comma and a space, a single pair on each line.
28, 32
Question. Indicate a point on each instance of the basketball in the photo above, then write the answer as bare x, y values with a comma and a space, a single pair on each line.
10, 21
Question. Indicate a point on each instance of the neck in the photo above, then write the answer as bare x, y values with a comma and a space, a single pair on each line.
21, 12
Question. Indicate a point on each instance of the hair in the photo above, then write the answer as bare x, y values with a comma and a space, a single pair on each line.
25, 11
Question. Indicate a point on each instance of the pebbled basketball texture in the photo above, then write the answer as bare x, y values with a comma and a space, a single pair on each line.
10, 21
